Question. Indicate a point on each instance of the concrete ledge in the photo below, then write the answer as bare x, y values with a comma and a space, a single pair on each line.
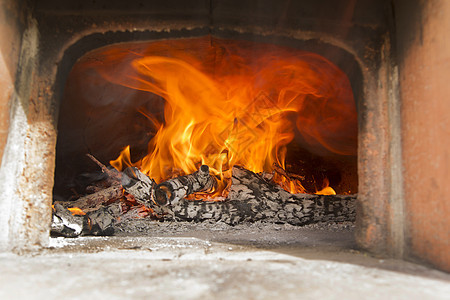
192, 268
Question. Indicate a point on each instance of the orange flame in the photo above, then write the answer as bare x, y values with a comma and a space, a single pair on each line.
233, 102
327, 190
76, 211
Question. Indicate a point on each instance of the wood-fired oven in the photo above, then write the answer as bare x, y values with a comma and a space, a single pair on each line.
368, 40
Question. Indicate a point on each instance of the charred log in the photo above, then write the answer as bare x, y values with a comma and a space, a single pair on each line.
173, 190
252, 199
99, 222
66, 224
139, 185
300, 209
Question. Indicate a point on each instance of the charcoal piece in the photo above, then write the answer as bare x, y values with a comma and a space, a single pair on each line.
139, 185
102, 221
267, 176
173, 190
65, 224
289, 176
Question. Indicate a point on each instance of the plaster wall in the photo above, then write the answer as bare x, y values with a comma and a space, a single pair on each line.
28, 142
424, 66
10, 37
10, 33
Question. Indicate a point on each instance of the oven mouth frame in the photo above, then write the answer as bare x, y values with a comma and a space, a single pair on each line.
373, 84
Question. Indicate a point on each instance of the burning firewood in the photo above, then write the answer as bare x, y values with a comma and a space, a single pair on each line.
99, 222
107, 191
173, 190
102, 207
139, 185
252, 198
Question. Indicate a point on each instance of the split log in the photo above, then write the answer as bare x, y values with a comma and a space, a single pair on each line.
173, 190
94, 201
252, 199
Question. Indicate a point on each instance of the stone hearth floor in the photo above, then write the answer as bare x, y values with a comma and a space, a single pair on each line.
251, 263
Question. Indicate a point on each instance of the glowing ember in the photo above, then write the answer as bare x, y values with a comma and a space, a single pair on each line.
76, 211
233, 103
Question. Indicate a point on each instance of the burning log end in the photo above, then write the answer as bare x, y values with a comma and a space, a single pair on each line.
207, 182
138, 184
173, 190
163, 194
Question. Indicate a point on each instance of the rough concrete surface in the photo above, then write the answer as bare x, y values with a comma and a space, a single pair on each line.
200, 263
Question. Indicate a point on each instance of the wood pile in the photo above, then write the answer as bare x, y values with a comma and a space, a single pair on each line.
252, 197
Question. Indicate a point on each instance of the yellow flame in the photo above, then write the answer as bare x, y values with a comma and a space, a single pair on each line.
327, 190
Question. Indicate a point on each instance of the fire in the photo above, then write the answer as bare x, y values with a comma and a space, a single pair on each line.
76, 211
327, 190
233, 103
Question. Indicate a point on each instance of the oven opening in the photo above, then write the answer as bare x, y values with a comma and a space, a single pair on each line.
204, 129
